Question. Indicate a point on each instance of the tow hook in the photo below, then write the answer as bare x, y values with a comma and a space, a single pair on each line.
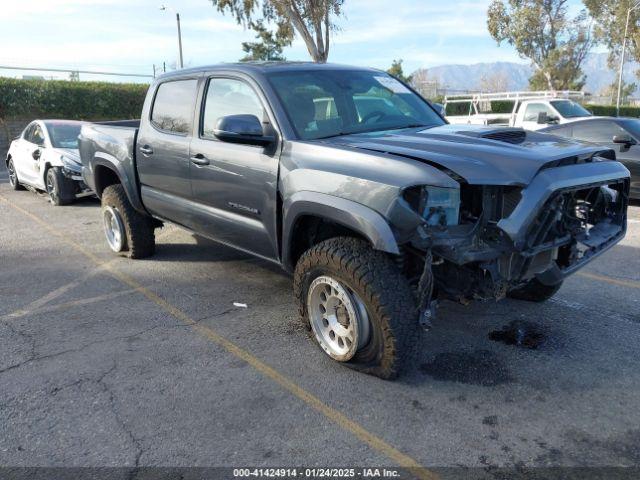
426, 304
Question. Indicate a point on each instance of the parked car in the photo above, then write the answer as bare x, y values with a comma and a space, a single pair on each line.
45, 157
621, 134
378, 215
531, 110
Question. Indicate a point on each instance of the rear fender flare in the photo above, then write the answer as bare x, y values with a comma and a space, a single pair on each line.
127, 179
355, 216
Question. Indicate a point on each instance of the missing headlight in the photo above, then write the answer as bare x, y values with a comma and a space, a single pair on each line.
437, 205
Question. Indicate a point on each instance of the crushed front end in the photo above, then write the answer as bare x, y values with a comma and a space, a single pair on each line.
481, 241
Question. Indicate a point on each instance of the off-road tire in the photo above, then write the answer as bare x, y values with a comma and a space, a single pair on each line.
141, 240
64, 188
387, 296
16, 185
534, 291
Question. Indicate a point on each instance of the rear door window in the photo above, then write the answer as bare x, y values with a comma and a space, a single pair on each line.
173, 106
562, 131
597, 132
28, 133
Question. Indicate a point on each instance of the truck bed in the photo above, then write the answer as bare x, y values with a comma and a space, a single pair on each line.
110, 144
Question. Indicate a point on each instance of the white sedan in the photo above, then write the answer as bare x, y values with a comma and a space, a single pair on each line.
45, 157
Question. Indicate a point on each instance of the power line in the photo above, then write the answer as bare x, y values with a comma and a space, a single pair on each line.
5, 67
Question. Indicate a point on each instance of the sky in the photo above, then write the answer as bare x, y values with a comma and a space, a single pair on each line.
133, 35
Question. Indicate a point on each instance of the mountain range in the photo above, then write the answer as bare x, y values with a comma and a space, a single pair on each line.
468, 77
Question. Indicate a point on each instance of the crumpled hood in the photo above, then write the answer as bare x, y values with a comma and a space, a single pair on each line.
466, 150
70, 153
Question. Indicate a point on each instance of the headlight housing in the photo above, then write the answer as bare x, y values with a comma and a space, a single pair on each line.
437, 205
71, 164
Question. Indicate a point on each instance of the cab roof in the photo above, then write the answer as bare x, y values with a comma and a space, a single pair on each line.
264, 67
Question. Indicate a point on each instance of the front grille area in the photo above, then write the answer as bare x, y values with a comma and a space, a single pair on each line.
579, 222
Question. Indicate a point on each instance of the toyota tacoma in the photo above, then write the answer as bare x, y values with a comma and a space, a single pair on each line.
355, 184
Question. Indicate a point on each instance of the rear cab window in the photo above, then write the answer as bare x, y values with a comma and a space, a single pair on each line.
173, 106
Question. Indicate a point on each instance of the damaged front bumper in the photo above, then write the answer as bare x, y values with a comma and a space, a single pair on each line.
565, 218
75, 173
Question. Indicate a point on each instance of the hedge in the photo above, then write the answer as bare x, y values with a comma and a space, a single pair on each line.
610, 110
29, 99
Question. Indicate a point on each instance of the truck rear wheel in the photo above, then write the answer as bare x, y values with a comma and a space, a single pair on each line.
358, 306
534, 291
126, 229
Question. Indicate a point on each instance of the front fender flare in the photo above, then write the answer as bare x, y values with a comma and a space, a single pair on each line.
367, 222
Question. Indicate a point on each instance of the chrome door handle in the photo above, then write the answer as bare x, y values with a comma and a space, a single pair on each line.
146, 150
200, 160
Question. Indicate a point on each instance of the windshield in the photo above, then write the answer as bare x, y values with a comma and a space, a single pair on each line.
569, 109
64, 135
322, 104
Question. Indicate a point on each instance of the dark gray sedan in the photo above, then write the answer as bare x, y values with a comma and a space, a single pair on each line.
621, 134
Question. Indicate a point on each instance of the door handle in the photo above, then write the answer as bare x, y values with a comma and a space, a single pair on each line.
200, 160
146, 150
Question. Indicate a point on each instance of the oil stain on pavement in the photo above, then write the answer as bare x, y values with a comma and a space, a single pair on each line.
520, 334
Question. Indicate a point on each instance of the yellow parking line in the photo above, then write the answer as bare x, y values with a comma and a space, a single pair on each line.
314, 402
611, 280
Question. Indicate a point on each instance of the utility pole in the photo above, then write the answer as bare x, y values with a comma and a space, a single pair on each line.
622, 55
179, 39
165, 8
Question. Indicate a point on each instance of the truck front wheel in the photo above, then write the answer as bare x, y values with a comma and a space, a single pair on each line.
358, 306
126, 229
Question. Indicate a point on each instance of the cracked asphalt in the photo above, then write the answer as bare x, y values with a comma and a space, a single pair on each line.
96, 372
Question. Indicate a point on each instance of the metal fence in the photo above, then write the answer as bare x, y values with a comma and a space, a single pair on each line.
74, 74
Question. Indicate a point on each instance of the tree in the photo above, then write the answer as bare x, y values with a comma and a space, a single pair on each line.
611, 17
396, 71
423, 83
270, 45
543, 32
611, 91
313, 20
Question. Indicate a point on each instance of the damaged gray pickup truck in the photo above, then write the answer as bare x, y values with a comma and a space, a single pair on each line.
351, 181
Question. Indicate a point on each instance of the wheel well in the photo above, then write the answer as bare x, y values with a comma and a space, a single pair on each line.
309, 230
104, 177
6, 160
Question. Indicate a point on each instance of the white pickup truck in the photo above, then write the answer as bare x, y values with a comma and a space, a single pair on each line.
529, 110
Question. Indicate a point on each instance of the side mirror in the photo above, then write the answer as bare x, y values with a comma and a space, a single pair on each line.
245, 129
36, 154
625, 140
545, 119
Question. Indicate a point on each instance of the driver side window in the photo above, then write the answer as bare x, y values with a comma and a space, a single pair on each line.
227, 96
37, 136
535, 109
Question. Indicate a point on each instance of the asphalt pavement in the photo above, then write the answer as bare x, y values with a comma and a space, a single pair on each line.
109, 362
